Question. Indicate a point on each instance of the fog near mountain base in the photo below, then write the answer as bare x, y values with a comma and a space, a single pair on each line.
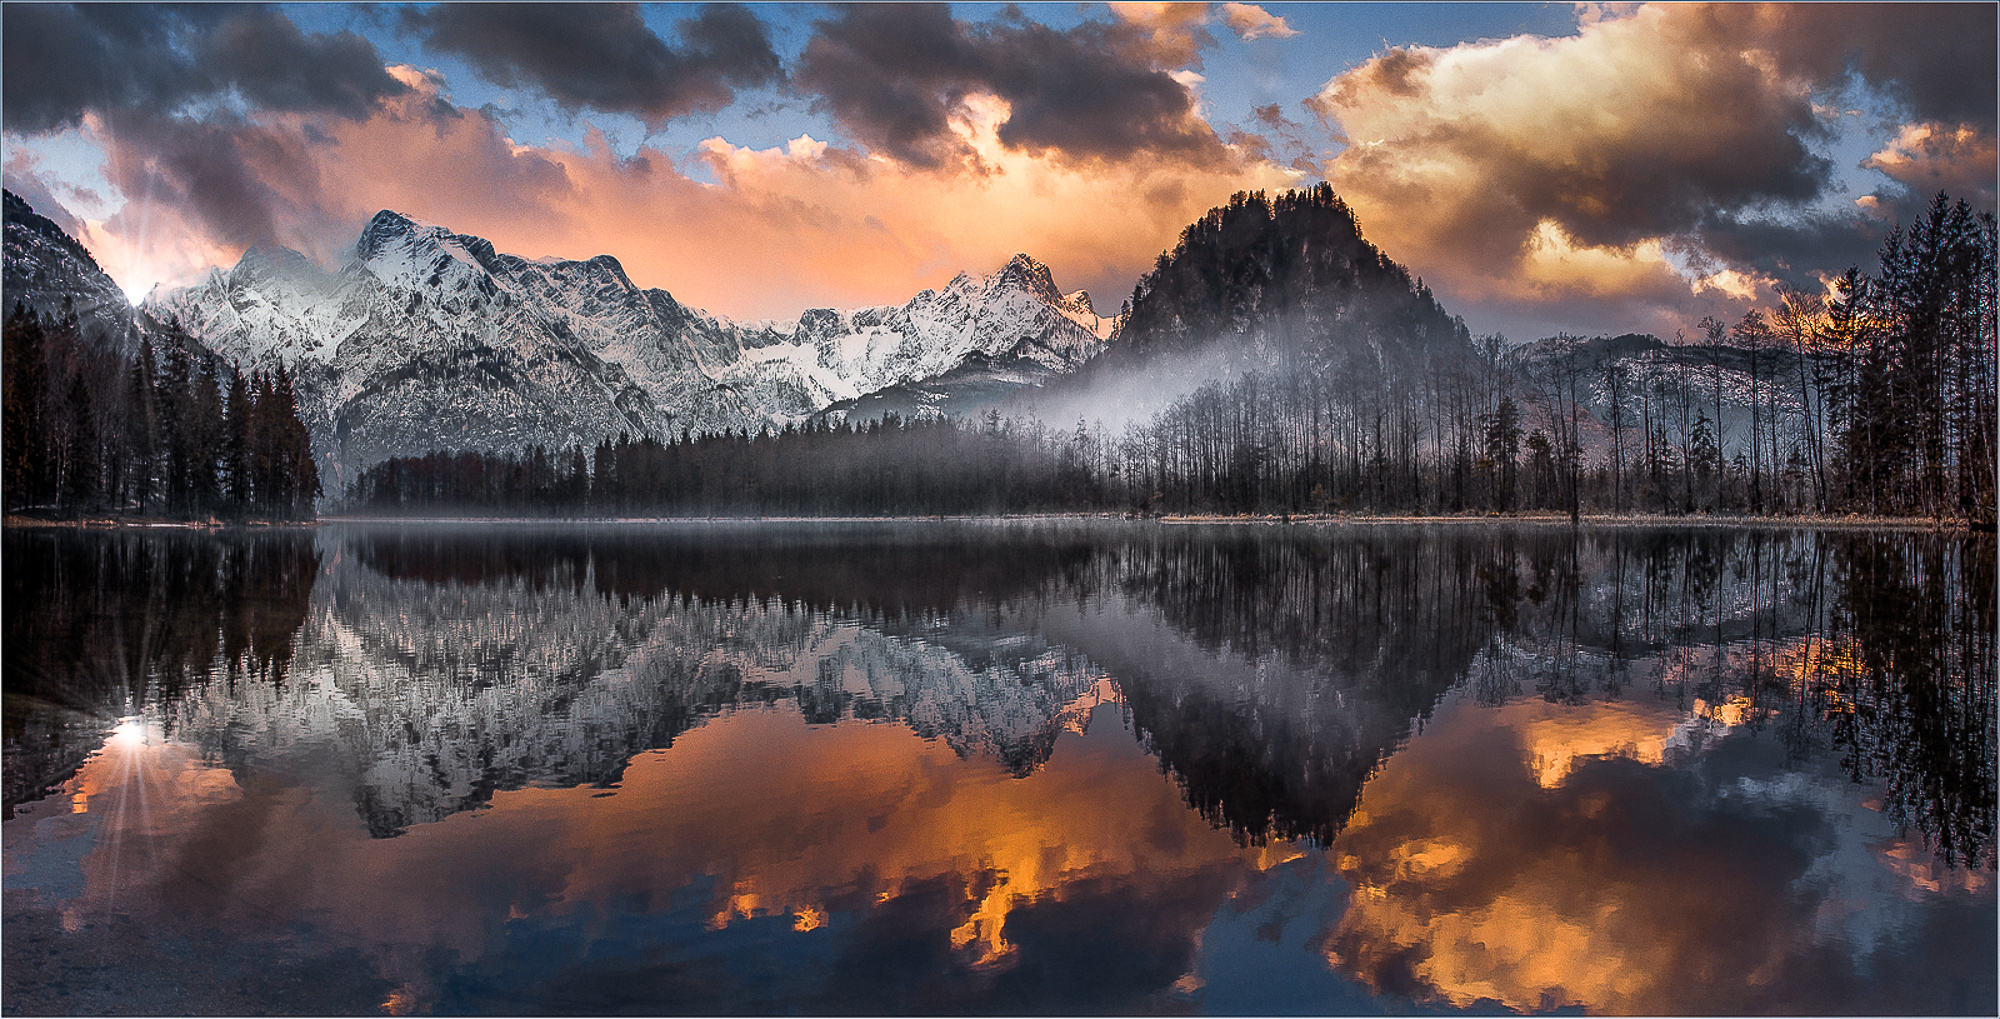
1122, 400
1133, 384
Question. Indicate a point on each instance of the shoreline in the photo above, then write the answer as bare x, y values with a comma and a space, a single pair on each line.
26, 523
1587, 520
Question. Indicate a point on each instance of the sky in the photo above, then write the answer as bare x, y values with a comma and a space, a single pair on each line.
1544, 167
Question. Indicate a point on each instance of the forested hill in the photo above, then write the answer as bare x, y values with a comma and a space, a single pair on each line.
1256, 264
1284, 284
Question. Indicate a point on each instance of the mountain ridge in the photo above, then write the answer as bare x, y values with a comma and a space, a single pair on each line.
50, 272
431, 339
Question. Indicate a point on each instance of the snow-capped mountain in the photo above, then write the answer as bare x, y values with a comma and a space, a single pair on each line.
989, 336
46, 267
430, 339
1670, 385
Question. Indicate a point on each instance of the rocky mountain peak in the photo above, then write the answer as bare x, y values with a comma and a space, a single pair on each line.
388, 228
47, 270
411, 254
1077, 303
1024, 272
268, 260
429, 339
606, 266
22, 216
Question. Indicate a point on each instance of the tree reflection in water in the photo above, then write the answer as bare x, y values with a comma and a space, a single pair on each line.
99, 625
1409, 699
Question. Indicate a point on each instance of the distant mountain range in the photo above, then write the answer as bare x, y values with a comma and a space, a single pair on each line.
429, 339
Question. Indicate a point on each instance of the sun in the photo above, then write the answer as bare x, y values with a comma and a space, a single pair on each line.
135, 266
136, 288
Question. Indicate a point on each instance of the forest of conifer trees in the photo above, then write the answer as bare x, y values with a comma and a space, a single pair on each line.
171, 433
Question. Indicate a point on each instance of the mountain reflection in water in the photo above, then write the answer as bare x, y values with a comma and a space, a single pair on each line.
1056, 766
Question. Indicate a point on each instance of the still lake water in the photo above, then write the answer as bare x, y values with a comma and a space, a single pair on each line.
1054, 767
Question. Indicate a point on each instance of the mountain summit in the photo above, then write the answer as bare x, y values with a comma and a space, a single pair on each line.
429, 339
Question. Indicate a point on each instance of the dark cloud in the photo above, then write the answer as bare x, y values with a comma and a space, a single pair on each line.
894, 76
59, 61
217, 173
277, 67
1938, 59
1072, 94
1789, 248
64, 60
604, 57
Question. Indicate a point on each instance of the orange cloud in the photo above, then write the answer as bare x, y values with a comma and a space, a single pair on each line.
1931, 157
869, 821
1616, 172
778, 231
1176, 29
1253, 22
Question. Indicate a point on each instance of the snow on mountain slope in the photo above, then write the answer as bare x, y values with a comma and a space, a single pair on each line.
1658, 380
430, 339
272, 308
45, 267
424, 341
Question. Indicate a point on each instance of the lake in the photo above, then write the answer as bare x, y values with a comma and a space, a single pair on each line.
999, 767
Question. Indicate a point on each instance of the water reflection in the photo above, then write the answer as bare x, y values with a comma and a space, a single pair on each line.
919, 768
100, 624
1524, 857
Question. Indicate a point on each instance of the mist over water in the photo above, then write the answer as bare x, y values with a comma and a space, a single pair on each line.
1032, 766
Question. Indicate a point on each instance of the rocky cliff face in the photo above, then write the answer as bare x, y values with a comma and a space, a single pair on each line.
47, 271
430, 339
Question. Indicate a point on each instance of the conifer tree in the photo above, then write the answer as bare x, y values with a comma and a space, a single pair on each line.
204, 434
236, 477
27, 467
82, 466
142, 431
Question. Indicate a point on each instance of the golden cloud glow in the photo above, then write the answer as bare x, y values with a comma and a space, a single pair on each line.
780, 230
150, 242
1536, 173
837, 819
1929, 157
1557, 739
1558, 268
1729, 281
1508, 857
